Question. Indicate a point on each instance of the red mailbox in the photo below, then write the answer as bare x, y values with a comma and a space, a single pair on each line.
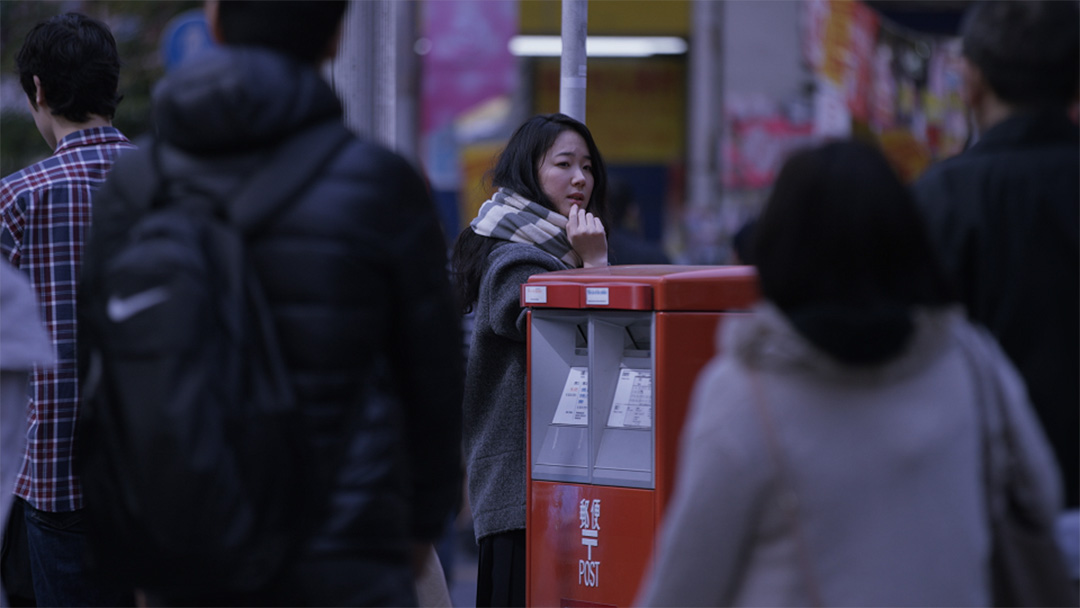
613, 354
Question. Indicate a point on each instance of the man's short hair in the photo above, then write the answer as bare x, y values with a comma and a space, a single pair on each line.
300, 28
75, 59
1028, 51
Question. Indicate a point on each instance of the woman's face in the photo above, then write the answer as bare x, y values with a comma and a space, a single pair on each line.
566, 172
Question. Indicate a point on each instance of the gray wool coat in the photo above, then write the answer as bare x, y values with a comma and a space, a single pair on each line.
494, 405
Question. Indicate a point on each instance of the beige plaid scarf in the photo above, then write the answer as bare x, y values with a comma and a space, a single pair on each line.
510, 217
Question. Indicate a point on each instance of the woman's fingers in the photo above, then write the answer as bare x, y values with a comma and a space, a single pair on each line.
587, 237
583, 222
594, 223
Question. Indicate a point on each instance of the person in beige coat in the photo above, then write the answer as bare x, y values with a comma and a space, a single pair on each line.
832, 455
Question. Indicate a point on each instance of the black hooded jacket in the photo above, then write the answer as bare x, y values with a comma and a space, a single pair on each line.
355, 275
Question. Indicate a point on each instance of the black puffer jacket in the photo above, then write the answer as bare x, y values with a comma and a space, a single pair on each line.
355, 273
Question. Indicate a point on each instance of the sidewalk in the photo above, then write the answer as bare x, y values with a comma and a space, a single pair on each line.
463, 580
460, 565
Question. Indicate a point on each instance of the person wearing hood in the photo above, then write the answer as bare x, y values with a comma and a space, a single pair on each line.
354, 272
833, 452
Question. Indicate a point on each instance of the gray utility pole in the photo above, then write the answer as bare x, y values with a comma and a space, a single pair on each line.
706, 105
375, 73
575, 28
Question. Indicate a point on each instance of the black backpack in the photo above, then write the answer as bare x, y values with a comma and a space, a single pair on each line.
189, 440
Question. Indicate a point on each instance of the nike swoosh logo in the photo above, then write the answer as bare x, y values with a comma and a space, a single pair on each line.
121, 309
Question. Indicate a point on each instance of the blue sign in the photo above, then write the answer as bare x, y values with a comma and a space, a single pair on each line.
185, 36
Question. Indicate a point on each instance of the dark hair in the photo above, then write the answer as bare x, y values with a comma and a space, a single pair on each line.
75, 58
1028, 51
517, 170
843, 251
518, 167
300, 28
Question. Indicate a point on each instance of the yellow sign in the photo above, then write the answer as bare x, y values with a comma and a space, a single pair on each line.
635, 108
612, 17
476, 161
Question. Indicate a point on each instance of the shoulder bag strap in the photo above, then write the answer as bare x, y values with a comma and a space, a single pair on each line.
1026, 565
793, 506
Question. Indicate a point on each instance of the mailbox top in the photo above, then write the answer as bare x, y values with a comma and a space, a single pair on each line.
659, 287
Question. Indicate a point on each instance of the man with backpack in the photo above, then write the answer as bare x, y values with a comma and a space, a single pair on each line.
273, 374
69, 69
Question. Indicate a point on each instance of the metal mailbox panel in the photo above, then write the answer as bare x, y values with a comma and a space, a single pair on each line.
588, 545
586, 424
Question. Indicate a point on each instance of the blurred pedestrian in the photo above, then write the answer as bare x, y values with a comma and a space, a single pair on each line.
24, 344
545, 216
740, 243
69, 69
354, 272
832, 455
626, 243
1005, 214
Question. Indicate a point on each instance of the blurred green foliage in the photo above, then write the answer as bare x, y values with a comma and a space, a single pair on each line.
137, 26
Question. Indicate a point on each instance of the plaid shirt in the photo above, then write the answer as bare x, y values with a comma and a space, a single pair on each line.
44, 216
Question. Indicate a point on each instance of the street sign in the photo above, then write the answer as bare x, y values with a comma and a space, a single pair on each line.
186, 35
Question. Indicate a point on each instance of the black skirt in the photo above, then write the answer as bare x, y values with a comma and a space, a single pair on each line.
500, 576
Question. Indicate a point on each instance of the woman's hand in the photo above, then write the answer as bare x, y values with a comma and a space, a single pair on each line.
587, 237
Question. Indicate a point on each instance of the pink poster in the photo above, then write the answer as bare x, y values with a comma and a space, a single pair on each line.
757, 146
465, 61
864, 29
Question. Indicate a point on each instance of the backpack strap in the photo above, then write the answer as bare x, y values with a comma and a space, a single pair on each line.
289, 170
135, 179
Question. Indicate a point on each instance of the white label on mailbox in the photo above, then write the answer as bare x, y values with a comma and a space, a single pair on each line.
535, 294
574, 401
596, 296
632, 406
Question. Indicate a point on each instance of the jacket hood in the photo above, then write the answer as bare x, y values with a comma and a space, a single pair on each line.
238, 98
768, 340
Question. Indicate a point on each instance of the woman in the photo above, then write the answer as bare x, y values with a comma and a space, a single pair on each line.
833, 451
545, 216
